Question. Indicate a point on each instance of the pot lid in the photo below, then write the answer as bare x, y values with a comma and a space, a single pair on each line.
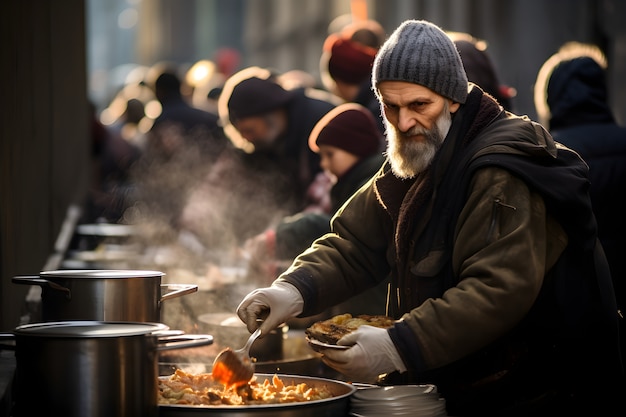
100, 273
88, 329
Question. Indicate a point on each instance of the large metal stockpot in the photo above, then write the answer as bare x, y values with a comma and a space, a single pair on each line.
103, 295
91, 368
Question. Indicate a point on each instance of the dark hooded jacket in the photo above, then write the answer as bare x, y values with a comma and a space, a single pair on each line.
580, 118
491, 254
290, 159
367, 98
295, 233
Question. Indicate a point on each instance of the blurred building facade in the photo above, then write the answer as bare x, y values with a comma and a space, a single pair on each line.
289, 34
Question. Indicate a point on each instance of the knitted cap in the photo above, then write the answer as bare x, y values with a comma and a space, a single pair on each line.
348, 61
350, 127
256, 96
421, 53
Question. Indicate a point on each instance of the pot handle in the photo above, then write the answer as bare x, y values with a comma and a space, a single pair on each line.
176, 290
165, 333
36, 280
184, 341
9, 337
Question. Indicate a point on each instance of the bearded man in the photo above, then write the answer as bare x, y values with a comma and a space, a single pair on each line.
484, 227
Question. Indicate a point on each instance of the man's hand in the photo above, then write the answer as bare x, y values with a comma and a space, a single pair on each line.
372, 353
270, 306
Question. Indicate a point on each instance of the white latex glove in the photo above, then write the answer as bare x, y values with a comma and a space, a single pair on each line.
372, 354
281, 300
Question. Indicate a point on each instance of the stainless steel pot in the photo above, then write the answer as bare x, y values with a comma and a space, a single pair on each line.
91, 368
336, 406
103, 295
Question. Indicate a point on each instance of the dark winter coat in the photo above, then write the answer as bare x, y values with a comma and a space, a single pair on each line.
290, 166
582, 120
490, 253
296, 233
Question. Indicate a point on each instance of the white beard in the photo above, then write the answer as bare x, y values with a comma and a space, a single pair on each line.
408, 157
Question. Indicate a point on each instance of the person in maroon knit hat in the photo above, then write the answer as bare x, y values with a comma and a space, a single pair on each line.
346, 70
350, 149
348, 128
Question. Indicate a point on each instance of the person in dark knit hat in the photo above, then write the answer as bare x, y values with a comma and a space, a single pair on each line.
347, 127
483, 226
422, 54
272, 125
256, 96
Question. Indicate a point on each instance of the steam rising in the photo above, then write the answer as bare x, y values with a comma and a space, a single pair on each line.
202, 203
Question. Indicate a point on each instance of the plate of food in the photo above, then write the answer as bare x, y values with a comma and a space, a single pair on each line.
325, 334
317, 345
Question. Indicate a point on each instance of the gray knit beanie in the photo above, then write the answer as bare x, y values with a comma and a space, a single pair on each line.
421, 53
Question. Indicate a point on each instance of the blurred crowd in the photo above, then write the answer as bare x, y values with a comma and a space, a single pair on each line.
259, 160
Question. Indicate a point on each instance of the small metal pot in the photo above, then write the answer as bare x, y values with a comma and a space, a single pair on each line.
103, 295
91, 368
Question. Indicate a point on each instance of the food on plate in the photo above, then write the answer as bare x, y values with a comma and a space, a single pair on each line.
200, 389
331, 330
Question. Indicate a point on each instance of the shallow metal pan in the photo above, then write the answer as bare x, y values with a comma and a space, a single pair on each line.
336, 406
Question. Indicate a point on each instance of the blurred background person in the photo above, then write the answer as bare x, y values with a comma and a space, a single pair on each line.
201, 78
572, 101
346, 64
367, 32
350, 149
111, 187
182, 146
206, 77
125, 115
272, 126
359, 28
481, 69
180, 125
267, 171
128, 126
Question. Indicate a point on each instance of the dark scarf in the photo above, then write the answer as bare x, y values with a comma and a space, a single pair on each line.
410, 203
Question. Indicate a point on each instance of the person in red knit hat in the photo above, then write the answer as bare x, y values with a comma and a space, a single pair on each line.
346, 68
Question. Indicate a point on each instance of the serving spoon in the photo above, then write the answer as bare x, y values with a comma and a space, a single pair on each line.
235, 367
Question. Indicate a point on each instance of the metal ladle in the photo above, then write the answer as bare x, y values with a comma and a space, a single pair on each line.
235, 367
